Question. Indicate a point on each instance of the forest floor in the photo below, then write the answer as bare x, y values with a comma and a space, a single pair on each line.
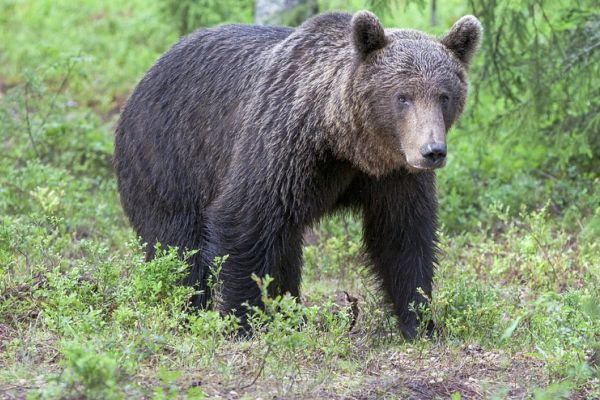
516, 301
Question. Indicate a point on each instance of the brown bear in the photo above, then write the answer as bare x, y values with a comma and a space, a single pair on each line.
240, 137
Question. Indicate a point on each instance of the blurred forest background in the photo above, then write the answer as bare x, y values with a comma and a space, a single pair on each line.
517, 297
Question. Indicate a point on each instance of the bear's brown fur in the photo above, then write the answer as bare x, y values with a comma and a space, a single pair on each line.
240, 137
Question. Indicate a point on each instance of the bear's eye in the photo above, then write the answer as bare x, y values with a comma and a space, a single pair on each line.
444, 99
403, 100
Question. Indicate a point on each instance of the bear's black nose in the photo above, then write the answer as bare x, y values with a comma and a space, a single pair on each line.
434, 152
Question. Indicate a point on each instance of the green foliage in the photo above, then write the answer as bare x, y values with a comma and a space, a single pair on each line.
544, 62
337, 246
189, 15
88, 373
156, 282
468, 310
83, 316
290, 334
37, 36
531, 132
169, 389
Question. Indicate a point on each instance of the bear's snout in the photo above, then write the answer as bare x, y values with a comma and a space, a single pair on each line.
434, 154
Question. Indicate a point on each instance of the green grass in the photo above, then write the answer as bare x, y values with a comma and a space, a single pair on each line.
516, 300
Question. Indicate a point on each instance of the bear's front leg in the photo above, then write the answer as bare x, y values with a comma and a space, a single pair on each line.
400, 238
256, 249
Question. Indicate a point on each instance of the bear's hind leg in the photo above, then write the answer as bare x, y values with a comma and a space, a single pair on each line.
181, 230
258, 250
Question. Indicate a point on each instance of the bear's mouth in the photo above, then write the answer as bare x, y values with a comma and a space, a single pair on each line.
425, 165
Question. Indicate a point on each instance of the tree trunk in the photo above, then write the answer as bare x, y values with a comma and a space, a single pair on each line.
433, 18
284, 12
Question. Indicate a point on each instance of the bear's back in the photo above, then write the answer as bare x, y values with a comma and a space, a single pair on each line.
176, 132
209, 67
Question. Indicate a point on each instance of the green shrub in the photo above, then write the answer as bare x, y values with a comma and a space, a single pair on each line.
87, 373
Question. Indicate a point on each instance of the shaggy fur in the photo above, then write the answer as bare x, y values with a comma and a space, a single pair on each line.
240, 137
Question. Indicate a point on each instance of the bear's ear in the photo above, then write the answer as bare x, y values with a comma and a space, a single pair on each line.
368, 34
463, 38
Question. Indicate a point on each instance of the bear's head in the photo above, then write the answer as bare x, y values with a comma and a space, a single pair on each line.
407, 89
